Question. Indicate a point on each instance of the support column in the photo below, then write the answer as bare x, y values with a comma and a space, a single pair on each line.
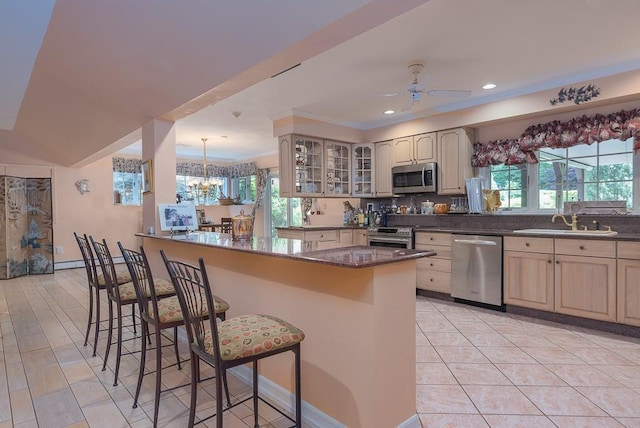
158, 146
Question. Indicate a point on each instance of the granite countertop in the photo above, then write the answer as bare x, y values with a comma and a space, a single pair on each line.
301, 228
621, 236
329, 253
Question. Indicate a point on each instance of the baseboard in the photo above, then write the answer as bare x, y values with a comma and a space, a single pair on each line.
74, 264
412, 422
284, 399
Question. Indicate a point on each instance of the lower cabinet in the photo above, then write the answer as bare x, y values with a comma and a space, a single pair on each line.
434, 273
528, 272
628, 284
585, 278
359, 237
310, 235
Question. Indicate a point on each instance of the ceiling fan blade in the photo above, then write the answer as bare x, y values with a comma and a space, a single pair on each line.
451, 93
408, 104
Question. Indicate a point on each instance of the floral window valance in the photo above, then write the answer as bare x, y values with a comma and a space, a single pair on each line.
557, 134
196, 169
127, 165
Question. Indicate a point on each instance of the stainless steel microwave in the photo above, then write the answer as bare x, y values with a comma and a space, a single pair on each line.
419, 178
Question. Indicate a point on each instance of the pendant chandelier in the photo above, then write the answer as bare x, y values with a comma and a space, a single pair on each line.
202, 186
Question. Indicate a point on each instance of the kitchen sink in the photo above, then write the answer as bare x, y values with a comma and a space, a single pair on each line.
566, 232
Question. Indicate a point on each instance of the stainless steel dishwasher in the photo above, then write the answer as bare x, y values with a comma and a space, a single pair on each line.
476, 268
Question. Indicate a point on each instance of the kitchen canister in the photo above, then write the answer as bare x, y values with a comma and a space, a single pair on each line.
242, 227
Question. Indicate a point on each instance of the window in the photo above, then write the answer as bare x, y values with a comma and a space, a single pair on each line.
597, 172
127, 188
185, 187
511, 180
245, 187
280, 212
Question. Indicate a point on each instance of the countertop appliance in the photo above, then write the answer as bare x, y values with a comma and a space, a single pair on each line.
418, 178
476, 269
394, 237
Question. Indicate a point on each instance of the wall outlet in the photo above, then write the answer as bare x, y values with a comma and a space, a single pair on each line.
59, 249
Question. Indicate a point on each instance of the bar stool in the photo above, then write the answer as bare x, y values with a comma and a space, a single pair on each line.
94, 289
169, 315
120, 295
230, 343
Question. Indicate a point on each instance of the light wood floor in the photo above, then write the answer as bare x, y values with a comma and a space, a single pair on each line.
49, 379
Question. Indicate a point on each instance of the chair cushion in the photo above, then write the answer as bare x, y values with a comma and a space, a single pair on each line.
169, 309
122, 275
127, 292
163, 288
251, 335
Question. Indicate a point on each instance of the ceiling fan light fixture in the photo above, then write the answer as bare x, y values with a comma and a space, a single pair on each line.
389, 111
489, 86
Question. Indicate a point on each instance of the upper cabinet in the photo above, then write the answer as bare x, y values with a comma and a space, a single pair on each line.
362, 156
383, 155
313, 167
414, 149
337, 168
454, 160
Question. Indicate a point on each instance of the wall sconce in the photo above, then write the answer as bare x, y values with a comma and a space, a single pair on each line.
82, 186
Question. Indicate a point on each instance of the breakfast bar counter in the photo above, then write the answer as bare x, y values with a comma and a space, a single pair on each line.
356, 305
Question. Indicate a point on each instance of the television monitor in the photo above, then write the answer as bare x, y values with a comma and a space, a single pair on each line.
178, 217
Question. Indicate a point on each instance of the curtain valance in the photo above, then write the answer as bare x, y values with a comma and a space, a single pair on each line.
558, 134
127, 165
196, 169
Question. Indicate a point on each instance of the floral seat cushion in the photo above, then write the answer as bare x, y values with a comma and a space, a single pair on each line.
249, 335
122, 276
163, 288
169, 309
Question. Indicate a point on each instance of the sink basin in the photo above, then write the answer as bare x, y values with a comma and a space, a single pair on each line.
566, 232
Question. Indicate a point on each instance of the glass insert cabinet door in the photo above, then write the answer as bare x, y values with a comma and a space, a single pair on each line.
337, 168
363, 170
308, 153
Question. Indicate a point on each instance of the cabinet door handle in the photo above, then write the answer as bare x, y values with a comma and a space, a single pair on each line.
557, 262
431, 238
526, 244
549, 261
430, 279
581, 247
431, 264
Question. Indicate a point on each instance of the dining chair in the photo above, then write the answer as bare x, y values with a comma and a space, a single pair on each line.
230, 343
119, 295
159, 314
226, 224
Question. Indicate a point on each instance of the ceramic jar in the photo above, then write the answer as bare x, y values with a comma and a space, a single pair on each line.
242, 227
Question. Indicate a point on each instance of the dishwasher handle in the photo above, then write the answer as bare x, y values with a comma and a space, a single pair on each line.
475, 242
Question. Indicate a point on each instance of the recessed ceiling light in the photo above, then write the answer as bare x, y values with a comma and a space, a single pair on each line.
224, 136
389, 112
489, 86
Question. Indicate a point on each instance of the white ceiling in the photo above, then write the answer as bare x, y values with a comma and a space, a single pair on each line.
352, 57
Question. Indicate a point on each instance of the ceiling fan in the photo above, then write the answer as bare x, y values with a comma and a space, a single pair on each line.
415, 90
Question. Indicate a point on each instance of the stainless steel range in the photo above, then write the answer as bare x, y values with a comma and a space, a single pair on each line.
394, 237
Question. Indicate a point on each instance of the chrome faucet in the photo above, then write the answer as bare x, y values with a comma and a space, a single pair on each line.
574, 220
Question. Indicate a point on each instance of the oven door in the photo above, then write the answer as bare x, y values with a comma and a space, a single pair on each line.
387, 241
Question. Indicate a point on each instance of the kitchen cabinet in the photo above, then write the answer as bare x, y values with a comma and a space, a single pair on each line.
628, 286
323, 235
414, 149
454, 160
382, 174
313, 167
337, 168
529, 272
360, 236
434, 273
362, 172
346, 236
585, 278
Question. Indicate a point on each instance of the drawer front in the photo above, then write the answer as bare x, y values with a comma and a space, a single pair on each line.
629, 250
432, 238
528, 244
434, 281
586, 247
321, 235
431, 263
441, 252
290, 234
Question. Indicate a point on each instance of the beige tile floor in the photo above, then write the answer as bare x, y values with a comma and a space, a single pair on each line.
475, 368
481, 368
